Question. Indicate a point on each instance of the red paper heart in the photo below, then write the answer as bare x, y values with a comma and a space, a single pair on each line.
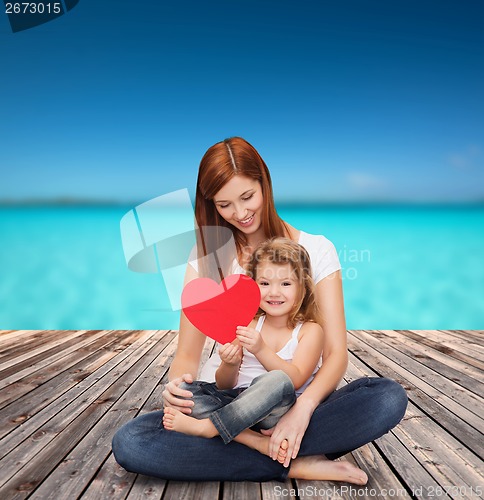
216, 310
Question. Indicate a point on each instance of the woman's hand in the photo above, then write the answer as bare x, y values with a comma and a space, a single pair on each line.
250, 338
292, 427
172, 394
230, 354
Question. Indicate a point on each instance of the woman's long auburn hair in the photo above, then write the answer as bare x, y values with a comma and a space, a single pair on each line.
221, 162
280, 251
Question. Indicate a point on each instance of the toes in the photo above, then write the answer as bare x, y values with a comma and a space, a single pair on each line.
282, 452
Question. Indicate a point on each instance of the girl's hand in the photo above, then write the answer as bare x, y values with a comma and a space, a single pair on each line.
250, 339
172, 394
230, 354
292, 427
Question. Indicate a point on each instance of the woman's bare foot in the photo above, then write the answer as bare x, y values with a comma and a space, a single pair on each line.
174, 420
322, 469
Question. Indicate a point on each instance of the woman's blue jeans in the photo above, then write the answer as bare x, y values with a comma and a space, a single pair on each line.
350, 417
261, 405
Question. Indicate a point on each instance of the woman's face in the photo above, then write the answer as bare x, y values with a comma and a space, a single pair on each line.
239, 202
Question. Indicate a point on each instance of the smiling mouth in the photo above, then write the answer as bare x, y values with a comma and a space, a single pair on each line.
275, 302
247, 221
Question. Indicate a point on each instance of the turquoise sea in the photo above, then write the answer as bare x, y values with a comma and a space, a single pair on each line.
404, 267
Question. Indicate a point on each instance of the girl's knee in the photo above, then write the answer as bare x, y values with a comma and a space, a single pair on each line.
278, 378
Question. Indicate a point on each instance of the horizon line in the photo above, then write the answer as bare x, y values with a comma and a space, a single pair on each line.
80, 201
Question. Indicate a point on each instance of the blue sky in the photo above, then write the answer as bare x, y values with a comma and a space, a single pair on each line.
345, 100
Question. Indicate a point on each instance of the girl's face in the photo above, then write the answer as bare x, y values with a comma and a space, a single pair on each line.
278, 286
239, 202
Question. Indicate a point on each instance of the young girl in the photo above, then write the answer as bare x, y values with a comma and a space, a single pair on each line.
277, 353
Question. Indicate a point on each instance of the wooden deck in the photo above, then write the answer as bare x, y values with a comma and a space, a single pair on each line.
64, 393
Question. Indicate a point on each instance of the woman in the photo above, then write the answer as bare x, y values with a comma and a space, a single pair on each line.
234, 191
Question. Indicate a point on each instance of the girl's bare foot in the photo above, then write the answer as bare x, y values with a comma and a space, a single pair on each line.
261, 442
282, 453
174, 420
322, 469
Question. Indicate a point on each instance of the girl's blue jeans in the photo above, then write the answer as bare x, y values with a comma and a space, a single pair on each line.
350, 417
261, 405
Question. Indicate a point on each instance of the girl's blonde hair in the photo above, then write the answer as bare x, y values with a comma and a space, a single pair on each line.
282, 251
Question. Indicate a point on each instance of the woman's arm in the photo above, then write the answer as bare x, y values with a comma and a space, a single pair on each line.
189, 350
293, 425
184, 367
329, 296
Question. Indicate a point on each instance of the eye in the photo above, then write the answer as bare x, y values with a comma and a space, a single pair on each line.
286, 283
248, 197
263, 283
223, 206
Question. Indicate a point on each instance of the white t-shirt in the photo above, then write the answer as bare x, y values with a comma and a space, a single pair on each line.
324, 261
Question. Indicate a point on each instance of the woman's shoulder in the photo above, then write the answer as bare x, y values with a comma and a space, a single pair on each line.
323, 255
314, 242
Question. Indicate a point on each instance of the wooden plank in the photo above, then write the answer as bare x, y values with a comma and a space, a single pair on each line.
446, 459
243, 490
277, 490
24, 407
152, 487
110, 473
432, 360
6, 332
7, 337
155, 401
111, 482
445, 383
421, 394
71, 398
45, 425
72, 432
59, 363
68, 471
465, 404
33, 338
402, 461
45, 351
470, 335
19, 373
184, 490
450, 463
454, 369
454, 351
83, 462
46, 345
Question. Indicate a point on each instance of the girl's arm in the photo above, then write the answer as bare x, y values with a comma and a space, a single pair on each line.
305, 357
227, 373
293, 425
